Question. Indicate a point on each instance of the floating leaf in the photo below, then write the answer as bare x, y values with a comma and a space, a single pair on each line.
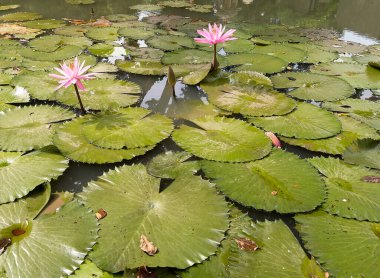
362, 110
72, 30
13, 29
62, 53
137, 33
223, 139
53, 42
348, 196
306, 122
8, 7
89, 269
347, 248
315, 87
126, 128
364, 152
30, 127
102, 94
171, 164
9, 94
28, 80
48, 237
201, 8
80, 2
196, 76
188, 56
256, 62
359, 76
20, 16
71, 142
233, 94
133, 211
146, 7
175, 4
20, 173
297, 185
171, 43
285, 52
102, 33
237, 46
44, 24
101, 49
144, 68
103, 68
315, 54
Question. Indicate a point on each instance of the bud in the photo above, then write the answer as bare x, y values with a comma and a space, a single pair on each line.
171, 77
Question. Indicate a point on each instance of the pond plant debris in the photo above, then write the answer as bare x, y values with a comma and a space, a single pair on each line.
228, 140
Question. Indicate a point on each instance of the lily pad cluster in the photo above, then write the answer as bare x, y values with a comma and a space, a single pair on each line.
178, 215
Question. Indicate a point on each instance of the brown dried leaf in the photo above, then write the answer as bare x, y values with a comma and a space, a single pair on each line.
246, 244
101, 22
144, 273
147, 246
274, 193
373, 179
8, 28
101, 214
4, 243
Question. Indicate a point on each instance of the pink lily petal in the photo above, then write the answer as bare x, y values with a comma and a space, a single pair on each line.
276, 142
80, 85
215, 34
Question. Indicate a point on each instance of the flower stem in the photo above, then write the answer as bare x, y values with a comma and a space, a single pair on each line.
215, 63
80, 101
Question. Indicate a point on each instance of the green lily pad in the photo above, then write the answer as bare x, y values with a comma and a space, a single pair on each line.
30, 127
243, 98
120, 17
137, 33
359, 76
126, 128
103, 68
48, 237
187, 56
175, 4
146, 7
32, 65
8, 7
72, 30
237, 46
315, 54
38, 84
71, 142
101, 49
305, 122
339, 244
20, 16
102, 94
62, 53
89, 269
144, 68
349, 195
317, 87
201, 8
5, 78
282, 182
362, 110
102, 33
146, 53
170, 165
171, 43
53, 42
195, 77
223, 139
273, 239
256, 62
80, 2
259, 41
285, 52
20, 173
154, 214
364, 152
44, 24
9, 94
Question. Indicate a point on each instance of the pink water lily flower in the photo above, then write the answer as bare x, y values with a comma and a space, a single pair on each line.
214, 35
276, 142
72, 74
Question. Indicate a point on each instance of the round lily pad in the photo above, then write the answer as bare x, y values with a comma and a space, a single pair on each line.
349, 194
102, 33
126, 128
8, 94
20, 16
8, 7
194, 77
20, 173
102, 94
362, 110
256, 62
71, 142
364, 152
101, 49
223, 139
359, 76
315, 54
53, 42
146, 7
317, 87
285, 52
89, 269
62, 53
171, 43
44, 24
281, 182
339, 244
306, 122
243, 98
30, 127
201, 8
48, 237
172, 164
144, 210
187, 56
141, 67
32, 65
72, 30
80, 2
137, 33
238, 46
